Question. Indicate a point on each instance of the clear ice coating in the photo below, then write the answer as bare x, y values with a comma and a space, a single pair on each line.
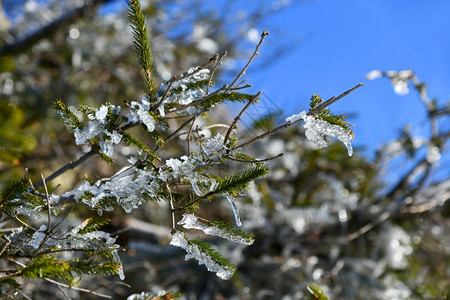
38, 237
235, 210
190, 221
318, 129
193, 251
184, 94
185, 168
139, 112
97, 127
214, 145
127, 188
92, 129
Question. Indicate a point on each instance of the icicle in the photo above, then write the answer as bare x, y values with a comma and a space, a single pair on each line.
119, 262
235, 210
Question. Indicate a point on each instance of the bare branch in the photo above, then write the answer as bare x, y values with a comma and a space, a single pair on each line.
238, 117
263, 36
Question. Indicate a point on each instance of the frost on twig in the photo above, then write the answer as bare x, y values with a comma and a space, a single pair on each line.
317, 131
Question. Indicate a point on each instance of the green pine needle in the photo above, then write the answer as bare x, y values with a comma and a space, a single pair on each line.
237, 182
87, 110
314, 292
14, 189
326, 115
249, 237
315, 100
212, 253
93, 224
142, 44
219, 98
131, 140
106, 158
191, 85
13, 283
91, 267
70, 119
46, 267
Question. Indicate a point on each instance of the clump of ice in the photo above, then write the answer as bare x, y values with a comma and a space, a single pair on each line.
139, 112
190, 221
193, 251
96, 127
127, 188
214, 145
317, 130
38, 237
182, 93
185, 168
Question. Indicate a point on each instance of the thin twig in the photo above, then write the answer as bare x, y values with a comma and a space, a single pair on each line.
178, 78
263, 36
173, 134
29, 179
172, 210
288, 124
366, 228
188, 137
219, 62
238, 117
77, 288
333, 99
49, 218
65, 168
255, 160
8, 242
166, 93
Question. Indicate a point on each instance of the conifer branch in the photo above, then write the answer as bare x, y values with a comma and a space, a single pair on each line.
288, 124
142, 45
233, 184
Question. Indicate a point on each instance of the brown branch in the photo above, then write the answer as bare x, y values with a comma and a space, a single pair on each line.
219, 62
63, 169
288, 124
332, 100
238, 117
263, 36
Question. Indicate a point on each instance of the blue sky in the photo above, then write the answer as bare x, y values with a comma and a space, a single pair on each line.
342, 41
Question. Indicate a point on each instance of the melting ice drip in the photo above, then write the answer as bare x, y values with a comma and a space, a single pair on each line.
317, 130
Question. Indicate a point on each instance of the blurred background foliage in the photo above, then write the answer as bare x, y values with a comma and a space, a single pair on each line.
319, 217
